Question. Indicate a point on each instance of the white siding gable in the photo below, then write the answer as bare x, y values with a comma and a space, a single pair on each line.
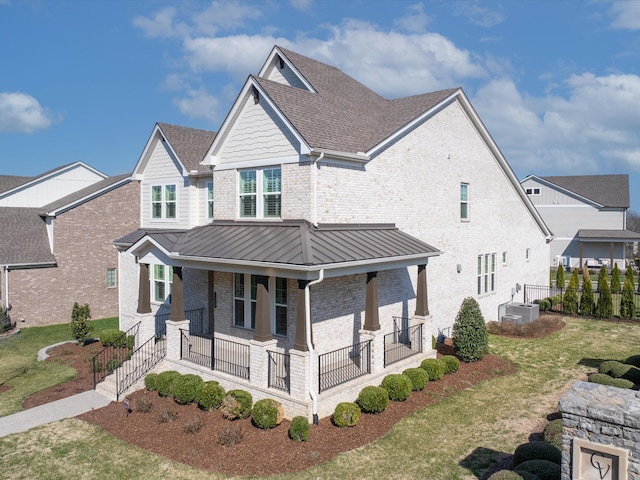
284, 75
552, 196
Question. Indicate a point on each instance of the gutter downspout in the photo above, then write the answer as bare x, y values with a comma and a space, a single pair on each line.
315, 189
307, 316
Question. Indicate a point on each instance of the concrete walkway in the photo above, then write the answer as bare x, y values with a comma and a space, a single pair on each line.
52, 412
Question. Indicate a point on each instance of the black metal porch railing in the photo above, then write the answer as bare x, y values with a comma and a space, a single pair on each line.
143, 359
195, 317
107, 360
402, 343
344, 364
215, 353
279, 371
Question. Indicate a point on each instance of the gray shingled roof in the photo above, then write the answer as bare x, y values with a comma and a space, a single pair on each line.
90, 191
343, 115
23, 240
190, 144
293, 242
9, 182
620, 235
606, 190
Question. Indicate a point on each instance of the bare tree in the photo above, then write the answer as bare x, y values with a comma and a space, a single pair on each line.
633, 221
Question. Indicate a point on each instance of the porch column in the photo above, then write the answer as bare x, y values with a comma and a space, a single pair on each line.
371, 316
144, 296
300, 343
422, 299
262, 332
177, 296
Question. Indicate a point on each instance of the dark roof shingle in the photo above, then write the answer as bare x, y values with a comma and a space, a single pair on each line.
190, 144
24, 239
606, 190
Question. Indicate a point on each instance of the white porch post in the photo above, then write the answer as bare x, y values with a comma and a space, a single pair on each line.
299, 374
174, 336
377, 348
259, 362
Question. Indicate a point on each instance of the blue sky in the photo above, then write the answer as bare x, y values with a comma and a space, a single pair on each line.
557, 83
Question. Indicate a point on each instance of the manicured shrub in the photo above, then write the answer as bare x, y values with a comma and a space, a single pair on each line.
236, 404
164, 381
130, 341
346, 414
108, 336
553, 433
150, 381
267, 413
451, 364
508, 475
608, 365
120, 340
543, 469
604, 308
586, 299
470, 337
80, 328
615, 279
398, 386
434, 368
418, 376
629, 275
570, 300
627, 303
185, 388
560, 277
373, 399
112, 365
209, 395
618, 369
536, 451
602, 379
299, 429
544, 305
633, 360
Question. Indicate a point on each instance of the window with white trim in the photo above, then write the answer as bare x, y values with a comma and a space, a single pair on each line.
533, 191
245, 290
260, 191
486, 273
111, 278
464, 201
163, 201
209, 200
162, 278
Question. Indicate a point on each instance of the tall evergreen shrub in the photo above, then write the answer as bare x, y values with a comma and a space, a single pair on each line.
570, 301
604, 309
602, 278
586, 299
470, 337
627, 305
615, 279
560, 277
629, 275
80, 329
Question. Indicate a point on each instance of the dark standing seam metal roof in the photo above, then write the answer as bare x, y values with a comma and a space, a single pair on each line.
293, 242
189, 144
83, 193
343, 115
23, 237
606, 190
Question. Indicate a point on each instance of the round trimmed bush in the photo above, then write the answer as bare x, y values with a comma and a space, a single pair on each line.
130, 341
618, 369
164, 381
185, 388
543, 469
602, 379
511, 475
109, 335
434, 368
418, 376
267, 413
606, 366
346, 414
544, 305
536, 451
209, 395
470, 336
373, 399
112, 365
633, 360
299, 429
150, 381
398, 386
451, 364
553, 433
236, 404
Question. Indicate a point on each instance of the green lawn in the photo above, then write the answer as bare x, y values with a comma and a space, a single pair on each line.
457, 438
20, 368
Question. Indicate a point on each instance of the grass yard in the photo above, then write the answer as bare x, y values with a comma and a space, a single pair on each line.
457, 438
21, 370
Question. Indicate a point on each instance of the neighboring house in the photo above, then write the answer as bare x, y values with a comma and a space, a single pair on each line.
587, 215
327, 235
56, 254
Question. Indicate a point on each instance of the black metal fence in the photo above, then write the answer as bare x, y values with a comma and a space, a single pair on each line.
195, 317
216, 353
279, 371
553, 298
107, 360
196, 348
143, 359
402, 343
344, 364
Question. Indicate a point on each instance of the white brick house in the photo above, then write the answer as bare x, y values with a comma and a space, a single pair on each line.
322, 217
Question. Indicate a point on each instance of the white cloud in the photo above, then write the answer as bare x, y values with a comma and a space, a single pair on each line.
160, 25
20, 112
199, 103
303, 5
415, 21
479, 15
626, 15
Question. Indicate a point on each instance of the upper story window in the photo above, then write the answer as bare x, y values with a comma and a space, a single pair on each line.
209, 200
260, 192
464, 201
163, 201
162, 281
533, 191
